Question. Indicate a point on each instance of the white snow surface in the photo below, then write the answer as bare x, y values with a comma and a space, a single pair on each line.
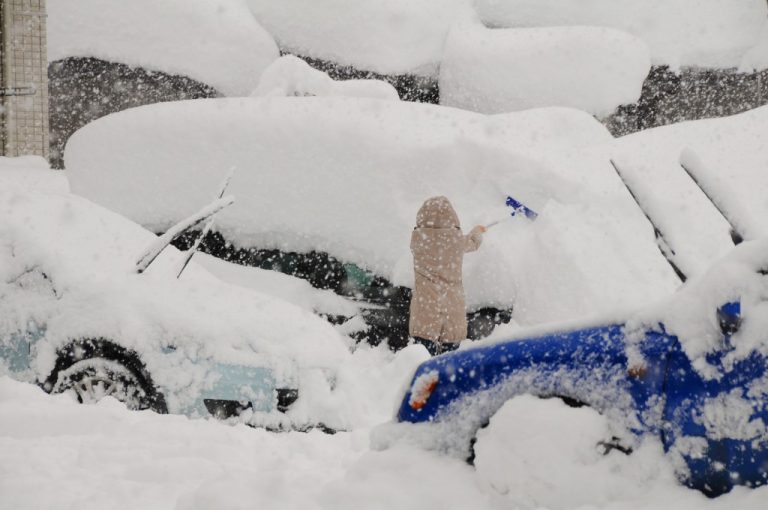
392, 37
502, 70
103, 456
292, 76
703, 33
756, 59
217, 42
347, 175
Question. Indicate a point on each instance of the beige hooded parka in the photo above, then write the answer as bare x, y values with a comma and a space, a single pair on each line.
438, 246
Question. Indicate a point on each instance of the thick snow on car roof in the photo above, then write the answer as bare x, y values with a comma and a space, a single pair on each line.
594, 69
217, 42
705, 33
347, 175
87, 255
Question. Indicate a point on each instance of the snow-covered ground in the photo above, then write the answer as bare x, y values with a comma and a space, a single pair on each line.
58, 454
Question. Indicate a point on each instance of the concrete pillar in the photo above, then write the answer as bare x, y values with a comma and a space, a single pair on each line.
23, 78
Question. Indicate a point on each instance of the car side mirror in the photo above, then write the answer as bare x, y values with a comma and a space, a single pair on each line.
729, 317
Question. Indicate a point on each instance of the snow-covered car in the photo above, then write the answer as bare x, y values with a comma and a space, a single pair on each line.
692, 371
328, 189
76, 316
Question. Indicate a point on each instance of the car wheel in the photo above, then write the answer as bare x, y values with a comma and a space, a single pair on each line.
90, 380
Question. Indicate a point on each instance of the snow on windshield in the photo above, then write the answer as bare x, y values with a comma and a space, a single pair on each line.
217, 42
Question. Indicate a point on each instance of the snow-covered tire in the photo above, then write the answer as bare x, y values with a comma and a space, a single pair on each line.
96, 368
92, 379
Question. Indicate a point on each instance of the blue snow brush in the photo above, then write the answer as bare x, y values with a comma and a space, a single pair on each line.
518, 208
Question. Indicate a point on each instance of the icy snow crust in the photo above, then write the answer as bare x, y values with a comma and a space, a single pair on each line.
704, 33
501, 70
67, 268
217, 42
347, 175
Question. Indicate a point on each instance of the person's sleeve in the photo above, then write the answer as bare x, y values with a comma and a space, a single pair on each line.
474, 239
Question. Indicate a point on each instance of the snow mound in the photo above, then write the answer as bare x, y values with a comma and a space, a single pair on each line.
292, 76
217, 42
704, 33
393, 37
30, 172
526, 430
502, 70
731, 160
346, 176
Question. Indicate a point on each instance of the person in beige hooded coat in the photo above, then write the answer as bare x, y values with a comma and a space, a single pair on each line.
438, 316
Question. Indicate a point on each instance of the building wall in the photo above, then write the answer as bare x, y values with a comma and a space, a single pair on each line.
24, 78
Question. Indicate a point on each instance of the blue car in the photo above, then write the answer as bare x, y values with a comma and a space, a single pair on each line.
706, 400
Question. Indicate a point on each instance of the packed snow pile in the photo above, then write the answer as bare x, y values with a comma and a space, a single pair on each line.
729, 157
292, 76
217, 42
393, 37
704, 33
346, 176
526, 430
502, 70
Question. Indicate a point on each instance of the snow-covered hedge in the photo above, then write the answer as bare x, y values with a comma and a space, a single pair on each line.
706, 33
347, 175
217, 42
502, 70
